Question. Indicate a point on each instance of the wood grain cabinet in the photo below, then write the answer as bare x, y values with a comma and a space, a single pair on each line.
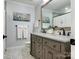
33, 45
48, 53
39, 48
52, 44
45, 48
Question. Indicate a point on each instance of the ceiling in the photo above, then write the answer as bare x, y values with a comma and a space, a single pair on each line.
54, 4
58, 4
59, 7
31, 2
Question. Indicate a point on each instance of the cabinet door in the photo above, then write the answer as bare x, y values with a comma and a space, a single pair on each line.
48, 53
65, 48
38, 54
57, 55
39, 48
38, 51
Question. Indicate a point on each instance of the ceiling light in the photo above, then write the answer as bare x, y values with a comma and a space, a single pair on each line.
66, 8
45, 1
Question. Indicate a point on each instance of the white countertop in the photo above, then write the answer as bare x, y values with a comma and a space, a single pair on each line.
60, 38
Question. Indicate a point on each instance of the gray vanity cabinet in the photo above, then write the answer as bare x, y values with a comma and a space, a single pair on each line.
45, 48
33, 45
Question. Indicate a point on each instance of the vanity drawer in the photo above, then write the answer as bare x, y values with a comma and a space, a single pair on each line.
52, 44
65, 48
33, 38
38, 46
55, 45
39, 39
46, 42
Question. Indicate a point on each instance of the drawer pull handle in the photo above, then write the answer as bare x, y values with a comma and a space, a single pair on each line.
39, 52
45, 42
54, 46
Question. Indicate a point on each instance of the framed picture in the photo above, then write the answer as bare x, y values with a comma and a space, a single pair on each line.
21, 17
46, 20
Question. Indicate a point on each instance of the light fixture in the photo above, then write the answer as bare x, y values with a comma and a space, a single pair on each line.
45, 1
66, 8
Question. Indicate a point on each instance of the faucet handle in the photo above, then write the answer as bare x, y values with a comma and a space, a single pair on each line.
68, 34
59, 33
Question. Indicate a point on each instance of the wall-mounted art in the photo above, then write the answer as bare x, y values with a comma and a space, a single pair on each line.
46, 22
46, 19
21, 16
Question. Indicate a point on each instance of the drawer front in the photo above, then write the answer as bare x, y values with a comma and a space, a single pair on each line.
39, 39
65, 48
50, 43
55, 46
46, 42
39, 46
33, 38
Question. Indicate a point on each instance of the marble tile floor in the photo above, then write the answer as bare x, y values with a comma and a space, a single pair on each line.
18, 53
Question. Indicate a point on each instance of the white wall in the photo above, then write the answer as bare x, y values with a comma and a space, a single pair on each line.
73, 19
11, 29
37, 25
63, 21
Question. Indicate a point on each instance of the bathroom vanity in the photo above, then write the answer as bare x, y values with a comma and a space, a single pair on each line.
50, 46
56, 44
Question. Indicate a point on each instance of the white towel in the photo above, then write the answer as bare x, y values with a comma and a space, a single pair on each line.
19, 32
25, 32
22, 32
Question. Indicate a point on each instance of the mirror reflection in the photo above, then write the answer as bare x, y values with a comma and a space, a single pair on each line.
56, 15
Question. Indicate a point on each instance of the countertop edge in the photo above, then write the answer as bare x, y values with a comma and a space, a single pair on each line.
51, 37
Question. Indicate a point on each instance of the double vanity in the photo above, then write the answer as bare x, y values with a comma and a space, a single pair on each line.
50, 46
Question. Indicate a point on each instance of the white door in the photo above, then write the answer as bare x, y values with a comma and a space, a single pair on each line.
5, 31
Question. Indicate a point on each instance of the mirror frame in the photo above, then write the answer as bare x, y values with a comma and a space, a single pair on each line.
42, 12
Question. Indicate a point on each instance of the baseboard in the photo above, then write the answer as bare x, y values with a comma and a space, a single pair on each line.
15, 47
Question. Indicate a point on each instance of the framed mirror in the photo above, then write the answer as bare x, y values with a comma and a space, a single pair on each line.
54, 9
